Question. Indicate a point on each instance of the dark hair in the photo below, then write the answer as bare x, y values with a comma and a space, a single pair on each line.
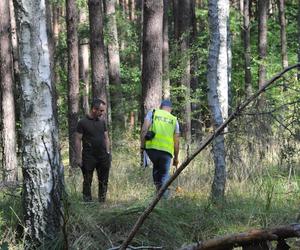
97, 102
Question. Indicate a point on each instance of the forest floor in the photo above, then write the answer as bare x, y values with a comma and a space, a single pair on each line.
267, 197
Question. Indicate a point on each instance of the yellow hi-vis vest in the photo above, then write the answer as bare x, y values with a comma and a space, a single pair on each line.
163, 125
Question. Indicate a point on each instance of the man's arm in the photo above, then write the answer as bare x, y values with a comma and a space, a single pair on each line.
176, 149
107, 142
145, 128
78, 139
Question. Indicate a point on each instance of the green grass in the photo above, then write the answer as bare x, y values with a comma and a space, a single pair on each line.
265, 199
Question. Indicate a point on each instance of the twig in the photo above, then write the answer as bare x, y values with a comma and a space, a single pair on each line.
203, 145
132, 247
105, 234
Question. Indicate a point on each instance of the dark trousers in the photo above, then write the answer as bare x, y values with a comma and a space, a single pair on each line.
102, 166
161, 166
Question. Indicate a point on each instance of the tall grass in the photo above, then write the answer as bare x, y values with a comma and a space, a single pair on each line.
257, 196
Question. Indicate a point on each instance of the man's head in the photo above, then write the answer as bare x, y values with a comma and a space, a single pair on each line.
98, 108
166, 105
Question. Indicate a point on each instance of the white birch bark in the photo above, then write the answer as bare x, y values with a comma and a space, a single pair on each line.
42, 169
217, 77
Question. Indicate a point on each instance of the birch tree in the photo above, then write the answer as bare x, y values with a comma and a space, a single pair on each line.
9, 157
217, 77
42, 169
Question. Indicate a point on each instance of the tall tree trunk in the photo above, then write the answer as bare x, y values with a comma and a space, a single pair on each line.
184, 44
247, 47
9, 157
116, 96
298, 75
196, 126
55, 22
97, 50
84, 65
281, 6
166, 78
176, 12
152, 55
42, 169
262, 40
217, 77
73, 76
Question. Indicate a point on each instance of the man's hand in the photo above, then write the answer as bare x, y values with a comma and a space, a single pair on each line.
78, 163
175, 162
109, 156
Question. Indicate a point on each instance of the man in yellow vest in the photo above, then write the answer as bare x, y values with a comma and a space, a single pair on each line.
160, 139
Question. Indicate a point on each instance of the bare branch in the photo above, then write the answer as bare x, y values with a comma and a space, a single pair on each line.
203, 145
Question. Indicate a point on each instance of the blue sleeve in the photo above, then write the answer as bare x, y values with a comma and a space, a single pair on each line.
148, 117
177, 130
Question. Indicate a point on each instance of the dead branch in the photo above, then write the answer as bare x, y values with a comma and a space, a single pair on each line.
203, 145
244, 239
134, 248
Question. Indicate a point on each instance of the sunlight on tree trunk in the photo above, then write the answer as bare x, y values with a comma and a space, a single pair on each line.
217, 78
8, 133
42, 169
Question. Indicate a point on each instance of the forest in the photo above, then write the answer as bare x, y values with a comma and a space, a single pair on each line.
231, 70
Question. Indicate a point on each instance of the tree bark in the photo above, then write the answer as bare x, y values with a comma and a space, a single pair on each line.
97, 50
262, 39
282, 22
9, 155
116, 96
166, 78
247, 47
217, 77
184, 33
42, 169
73, 77
249, 240
152, 55
298, 17
84, 65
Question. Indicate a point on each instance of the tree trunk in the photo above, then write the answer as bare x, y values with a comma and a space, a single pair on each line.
196, 123
73, 76
298, 75
166, 78
42, 169
97, 50
184, 30
217, 77
84, 66
152, 55
176, 11
247, 48
281, 6
116, 96
262, 39
9, 157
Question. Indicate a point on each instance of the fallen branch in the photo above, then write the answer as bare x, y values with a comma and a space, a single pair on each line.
244, 239
134, 248
203, 145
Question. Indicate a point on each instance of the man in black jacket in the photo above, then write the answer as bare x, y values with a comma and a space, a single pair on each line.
92, 148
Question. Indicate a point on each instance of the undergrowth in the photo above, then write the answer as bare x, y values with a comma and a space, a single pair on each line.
266, 199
